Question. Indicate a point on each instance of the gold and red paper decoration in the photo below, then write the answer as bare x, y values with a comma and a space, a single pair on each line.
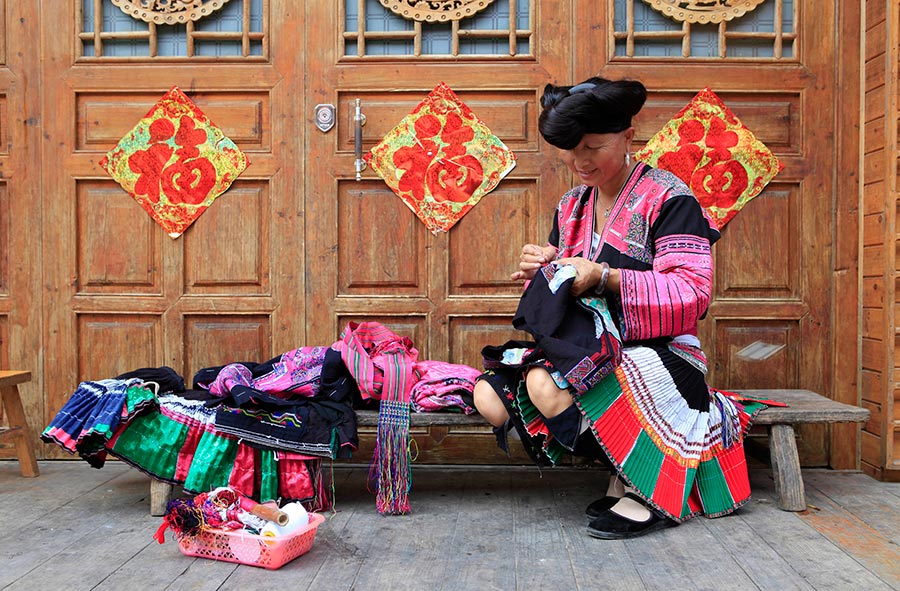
703, 11
175, 162
441, 159
708, 147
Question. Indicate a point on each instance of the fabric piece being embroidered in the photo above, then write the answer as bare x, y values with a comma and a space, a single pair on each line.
711, 150
175, 162
441, 159
558, 274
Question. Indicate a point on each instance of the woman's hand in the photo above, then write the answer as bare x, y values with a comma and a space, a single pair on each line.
533, 257
588, 275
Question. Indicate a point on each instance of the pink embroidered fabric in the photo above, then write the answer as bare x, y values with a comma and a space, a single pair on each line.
669, 299
440, 386
298, 373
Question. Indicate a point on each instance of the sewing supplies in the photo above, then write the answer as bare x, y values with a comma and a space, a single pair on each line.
297, 517
221, 508
224, 524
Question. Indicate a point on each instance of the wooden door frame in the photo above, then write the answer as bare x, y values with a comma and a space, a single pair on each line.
21, 302
279, 163
846, 289
837, 376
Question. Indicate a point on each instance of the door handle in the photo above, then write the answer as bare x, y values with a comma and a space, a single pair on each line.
359, 119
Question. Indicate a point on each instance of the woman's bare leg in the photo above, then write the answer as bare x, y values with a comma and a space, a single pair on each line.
488, 404
549, 398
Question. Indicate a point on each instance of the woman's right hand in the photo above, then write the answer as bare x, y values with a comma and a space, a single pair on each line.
533, 257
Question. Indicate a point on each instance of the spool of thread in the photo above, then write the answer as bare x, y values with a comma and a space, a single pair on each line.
297, 518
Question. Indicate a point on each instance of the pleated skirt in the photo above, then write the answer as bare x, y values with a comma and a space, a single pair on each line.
675, 440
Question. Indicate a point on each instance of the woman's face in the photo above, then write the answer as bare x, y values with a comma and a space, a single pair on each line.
599, 159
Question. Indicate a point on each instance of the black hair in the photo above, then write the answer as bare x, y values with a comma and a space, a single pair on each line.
596, 105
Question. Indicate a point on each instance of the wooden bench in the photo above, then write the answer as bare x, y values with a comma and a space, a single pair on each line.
804, 407
18, 429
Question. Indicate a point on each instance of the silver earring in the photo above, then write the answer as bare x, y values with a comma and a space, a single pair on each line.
627, 159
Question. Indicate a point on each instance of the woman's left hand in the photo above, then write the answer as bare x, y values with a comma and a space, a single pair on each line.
587, 274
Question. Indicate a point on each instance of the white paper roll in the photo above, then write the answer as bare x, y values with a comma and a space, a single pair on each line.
297, 518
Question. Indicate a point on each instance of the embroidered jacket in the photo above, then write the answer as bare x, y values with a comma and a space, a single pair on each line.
659, 237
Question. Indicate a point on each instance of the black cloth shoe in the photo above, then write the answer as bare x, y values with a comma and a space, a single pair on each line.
612, 526
600, 506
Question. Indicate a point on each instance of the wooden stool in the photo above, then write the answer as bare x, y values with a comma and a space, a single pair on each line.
15, 418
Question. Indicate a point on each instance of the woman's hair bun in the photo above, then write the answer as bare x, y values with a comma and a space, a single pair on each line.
596, 105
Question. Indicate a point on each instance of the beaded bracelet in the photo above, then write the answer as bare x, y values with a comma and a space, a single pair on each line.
604, 277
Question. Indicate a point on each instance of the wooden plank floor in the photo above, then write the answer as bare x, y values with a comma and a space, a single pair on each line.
79, 528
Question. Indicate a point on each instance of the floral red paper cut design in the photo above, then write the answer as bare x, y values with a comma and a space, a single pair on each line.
441, 159
708, 147
175, 162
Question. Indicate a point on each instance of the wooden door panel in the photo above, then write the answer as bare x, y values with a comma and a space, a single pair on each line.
103, 118
379, 241
212, 339
110, 344
480, 262
230, 252
739, 363
118, 248
752, 264
20, 203
468, 335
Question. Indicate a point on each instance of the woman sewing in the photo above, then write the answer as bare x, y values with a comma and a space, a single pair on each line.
631, 244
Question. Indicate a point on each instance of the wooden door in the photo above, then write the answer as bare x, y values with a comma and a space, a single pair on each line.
120, 293
369, 256
20, 201
775, 70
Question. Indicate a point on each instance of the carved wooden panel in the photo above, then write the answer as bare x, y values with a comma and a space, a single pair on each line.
127, 342
469, 335
167, 29
103, 118
502, 29
169, 12
506, 212
227, 250
380, 242
705, 29
507, 114
119, 246
212, 340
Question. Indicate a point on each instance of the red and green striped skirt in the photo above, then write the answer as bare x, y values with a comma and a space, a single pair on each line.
675, 440
178, 443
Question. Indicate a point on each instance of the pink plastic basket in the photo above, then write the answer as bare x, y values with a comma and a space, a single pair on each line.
244, 548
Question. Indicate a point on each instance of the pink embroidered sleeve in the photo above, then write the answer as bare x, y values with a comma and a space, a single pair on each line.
669, 299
